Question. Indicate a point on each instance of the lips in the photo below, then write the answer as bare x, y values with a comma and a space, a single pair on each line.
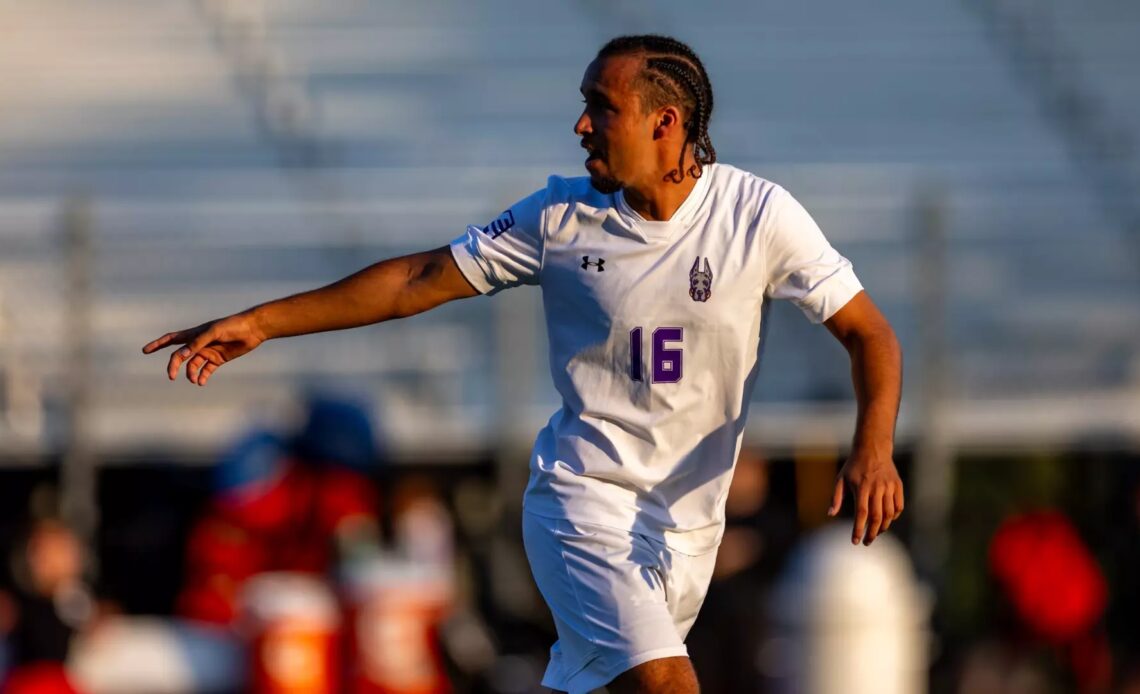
592, 153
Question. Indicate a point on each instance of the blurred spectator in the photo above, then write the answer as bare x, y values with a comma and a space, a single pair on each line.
52, 601
1048, 575
49, 604
1054, 595
284, 506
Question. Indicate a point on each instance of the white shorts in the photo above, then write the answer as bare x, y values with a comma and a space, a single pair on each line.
619, 599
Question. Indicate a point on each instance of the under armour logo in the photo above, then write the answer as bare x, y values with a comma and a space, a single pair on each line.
587, 263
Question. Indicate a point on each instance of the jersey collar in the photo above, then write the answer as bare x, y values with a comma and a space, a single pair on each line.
682, 217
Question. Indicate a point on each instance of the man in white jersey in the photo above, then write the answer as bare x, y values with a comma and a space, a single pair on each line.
655, 272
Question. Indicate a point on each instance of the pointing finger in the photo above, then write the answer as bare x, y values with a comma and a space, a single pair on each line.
161, 342
155, 344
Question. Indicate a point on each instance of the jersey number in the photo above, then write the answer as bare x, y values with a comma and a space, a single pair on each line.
666, 360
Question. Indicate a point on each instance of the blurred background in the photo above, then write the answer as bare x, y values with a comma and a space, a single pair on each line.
341, 511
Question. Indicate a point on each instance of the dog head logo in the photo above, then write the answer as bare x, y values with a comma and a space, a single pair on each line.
700, 282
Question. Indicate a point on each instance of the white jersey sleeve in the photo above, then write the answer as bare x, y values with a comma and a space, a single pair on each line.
801, 265
508, 251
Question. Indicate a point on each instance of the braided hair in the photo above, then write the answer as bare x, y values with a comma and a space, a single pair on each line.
672, 74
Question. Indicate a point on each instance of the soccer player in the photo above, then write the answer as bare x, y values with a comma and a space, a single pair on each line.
656, 272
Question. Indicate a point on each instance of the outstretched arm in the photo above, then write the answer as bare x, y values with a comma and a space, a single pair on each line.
876, 371
389, 289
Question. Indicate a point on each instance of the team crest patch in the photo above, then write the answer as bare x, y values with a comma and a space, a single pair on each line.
496, 228
700, 281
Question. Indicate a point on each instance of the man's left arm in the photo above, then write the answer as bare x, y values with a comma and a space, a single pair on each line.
876, 373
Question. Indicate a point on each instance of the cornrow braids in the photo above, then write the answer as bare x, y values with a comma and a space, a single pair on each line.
673, 74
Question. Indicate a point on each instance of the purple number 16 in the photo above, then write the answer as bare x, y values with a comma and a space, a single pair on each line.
666, 361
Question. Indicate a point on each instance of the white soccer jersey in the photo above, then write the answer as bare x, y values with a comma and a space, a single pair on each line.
654, 332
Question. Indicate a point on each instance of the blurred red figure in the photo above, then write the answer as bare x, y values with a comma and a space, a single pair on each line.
283, 507
1049, 575
1056, 588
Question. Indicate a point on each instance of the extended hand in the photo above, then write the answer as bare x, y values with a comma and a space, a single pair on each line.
208, 346
878, 493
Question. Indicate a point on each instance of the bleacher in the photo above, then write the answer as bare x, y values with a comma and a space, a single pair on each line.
236, 152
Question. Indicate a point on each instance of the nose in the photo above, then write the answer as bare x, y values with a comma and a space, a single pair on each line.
583, 126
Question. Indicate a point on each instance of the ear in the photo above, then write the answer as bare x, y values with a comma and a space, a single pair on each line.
708, 269
668, 119
696, 267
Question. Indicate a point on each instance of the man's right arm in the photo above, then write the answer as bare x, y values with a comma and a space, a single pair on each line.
389, 289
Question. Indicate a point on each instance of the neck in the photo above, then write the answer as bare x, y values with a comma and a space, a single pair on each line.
659, 199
